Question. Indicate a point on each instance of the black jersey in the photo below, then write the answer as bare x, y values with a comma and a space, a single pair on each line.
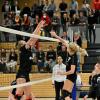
71, 60
25, 58
98, 85
25, 63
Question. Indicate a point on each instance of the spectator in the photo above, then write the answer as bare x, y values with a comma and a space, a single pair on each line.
58, 80
74, 20
26, 10
34, 10
59, 48
91, 27
47, 25
77, 39
50, 59
63, 53
85, 8
6, 7
51, 8
15, 8
11, 64
40, 59
41, 6
13, 55
46, 6
3, 53
82, 18
96, 7
65, 22
56, 23
65, 36
17, 26
63, 7
26, 25
3, 65
36, 21
73, 7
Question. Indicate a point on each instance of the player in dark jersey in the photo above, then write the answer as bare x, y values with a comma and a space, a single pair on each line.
94, 81
71, 65
25, 58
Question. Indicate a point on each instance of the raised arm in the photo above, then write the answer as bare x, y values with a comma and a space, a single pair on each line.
65, 42
33, 40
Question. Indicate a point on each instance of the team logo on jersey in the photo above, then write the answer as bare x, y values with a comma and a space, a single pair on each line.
69, 58
98, 79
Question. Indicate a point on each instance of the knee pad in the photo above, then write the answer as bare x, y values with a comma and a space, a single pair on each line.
66, 93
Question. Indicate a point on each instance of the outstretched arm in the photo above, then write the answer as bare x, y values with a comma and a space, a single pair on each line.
33, 40
65, 42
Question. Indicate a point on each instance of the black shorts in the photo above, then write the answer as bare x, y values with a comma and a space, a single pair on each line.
23, 74
72, 78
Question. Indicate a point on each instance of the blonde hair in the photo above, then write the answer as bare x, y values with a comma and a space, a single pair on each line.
20, 44
75, 48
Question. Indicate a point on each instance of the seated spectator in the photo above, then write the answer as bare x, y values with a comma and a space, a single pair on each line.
11, 64
36, 21
59, 48
63, 53
77, 39
3, 60
3, 54
50, 59
74, 20
3, 65
7, 22
40, 59
65, 36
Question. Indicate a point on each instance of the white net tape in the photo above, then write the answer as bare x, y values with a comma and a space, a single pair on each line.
8, 30
24, 84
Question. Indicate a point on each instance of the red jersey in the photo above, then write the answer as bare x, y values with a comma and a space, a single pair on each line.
96, 4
